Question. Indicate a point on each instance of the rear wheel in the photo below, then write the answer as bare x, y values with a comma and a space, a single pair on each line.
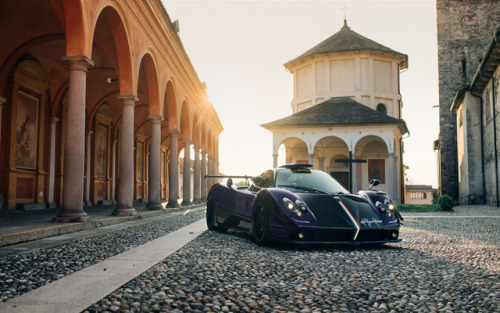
210, 216
260, 224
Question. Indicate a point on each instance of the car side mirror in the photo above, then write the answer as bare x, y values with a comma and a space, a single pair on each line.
374, 182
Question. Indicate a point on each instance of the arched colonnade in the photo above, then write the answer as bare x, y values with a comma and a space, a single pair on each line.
97, 100
376, 147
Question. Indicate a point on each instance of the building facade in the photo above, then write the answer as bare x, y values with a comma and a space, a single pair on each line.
346, 110
97, 99
419, 194
464, 30
477, 108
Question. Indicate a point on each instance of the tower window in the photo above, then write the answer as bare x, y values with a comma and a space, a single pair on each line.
381, 108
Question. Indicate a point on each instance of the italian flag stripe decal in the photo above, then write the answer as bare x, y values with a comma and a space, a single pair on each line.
353, 220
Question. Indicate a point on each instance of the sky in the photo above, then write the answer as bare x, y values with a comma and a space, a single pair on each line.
238, 49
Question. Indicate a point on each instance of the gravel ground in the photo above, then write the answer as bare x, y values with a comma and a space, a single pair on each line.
25, 272
443, 265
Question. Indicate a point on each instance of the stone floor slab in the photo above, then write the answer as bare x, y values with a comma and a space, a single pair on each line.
78, 291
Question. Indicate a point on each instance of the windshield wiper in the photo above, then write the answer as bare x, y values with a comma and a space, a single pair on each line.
304, 188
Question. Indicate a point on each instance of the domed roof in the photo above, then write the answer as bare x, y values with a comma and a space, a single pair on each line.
348, 40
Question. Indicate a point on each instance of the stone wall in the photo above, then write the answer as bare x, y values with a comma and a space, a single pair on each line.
491, 156
464, 30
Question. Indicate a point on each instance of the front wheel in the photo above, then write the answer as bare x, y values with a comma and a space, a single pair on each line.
260, 225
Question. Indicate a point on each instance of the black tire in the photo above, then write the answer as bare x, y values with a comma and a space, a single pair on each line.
210, 216
260, 225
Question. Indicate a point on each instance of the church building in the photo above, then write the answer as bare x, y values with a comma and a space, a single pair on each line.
98, 99
346, 113
467, 147
478, 131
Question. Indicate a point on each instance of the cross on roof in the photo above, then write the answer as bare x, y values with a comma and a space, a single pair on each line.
345, 8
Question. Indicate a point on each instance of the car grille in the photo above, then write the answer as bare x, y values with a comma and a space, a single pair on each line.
344, 235
376, 235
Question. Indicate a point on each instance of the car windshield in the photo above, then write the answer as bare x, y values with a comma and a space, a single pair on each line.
313, 181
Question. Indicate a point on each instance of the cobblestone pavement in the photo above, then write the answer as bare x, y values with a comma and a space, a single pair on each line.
443, 265
447, 264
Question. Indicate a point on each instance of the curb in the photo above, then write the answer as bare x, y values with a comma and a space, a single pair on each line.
40, 232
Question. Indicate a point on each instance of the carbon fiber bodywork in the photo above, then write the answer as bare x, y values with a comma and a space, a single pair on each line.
302, 214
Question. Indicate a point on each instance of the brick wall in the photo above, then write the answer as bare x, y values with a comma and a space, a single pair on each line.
464, 30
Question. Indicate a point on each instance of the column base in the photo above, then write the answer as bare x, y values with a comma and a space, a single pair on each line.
197, 201
51, 205
154, 206
185, 203
87, 203
71, 217
124, 211
173, 204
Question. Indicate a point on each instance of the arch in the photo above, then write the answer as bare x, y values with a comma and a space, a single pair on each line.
170, 106
329, 145
373, 149
203, 140
296, 150
151, 72
371, 146
120, 39
13, 58
185, 121
196, 130
75, 27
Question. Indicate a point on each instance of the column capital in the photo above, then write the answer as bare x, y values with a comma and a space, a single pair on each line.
187, 142
2, 101
78, 63
128, 100
196, 147
89, 133
203, 152
53, 120
155, 119
173, 132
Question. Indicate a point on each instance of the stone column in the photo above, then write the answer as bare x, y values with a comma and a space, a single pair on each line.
275, 160
74, 149
321, 164
87, 172
209, 172
113, 172
203, 174
2, 101
154, 202
391, 178
311, 158
197, 176
186, 177
126, 170
173, 171
52, 159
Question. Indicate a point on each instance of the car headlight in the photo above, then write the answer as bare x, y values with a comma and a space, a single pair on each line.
288, 204
380, 206
298, 207
301, 205
388, 203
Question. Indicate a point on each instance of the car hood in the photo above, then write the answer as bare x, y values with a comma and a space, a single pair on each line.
339, 210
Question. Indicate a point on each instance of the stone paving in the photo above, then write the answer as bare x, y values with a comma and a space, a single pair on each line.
450, 263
